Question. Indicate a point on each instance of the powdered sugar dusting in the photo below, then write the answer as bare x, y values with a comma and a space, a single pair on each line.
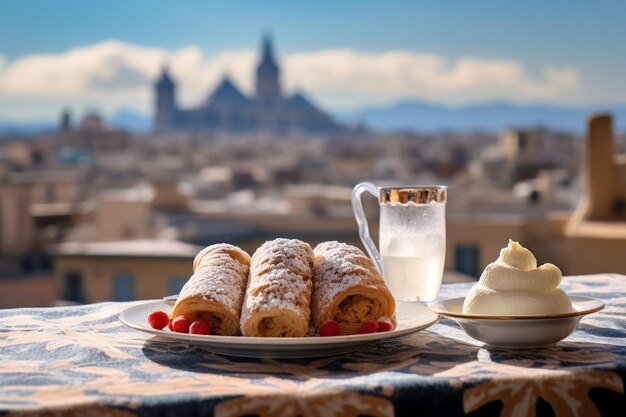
337, 269
221, 275
339, 266
280, 279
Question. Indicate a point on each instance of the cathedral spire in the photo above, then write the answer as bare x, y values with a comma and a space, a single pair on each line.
165, 100
164, 78
267, 72
267, 49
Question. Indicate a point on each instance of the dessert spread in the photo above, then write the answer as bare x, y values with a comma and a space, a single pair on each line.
513, 285
279, 290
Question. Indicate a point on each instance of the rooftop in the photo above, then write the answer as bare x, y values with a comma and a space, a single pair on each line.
599, 230
149, 248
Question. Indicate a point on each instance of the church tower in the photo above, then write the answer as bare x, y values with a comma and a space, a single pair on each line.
165, 101
267, 74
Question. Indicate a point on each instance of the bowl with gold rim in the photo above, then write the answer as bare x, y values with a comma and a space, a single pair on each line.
518, 332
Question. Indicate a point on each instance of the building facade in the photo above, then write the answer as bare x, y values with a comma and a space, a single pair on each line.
228, 109
591, 240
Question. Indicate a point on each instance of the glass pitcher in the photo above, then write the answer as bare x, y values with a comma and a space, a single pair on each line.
412, 237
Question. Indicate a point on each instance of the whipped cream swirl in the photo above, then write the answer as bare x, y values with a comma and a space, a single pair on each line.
514, 286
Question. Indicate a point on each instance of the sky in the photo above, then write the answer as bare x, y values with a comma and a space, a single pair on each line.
343, 54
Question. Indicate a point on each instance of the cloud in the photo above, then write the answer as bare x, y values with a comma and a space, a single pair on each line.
351, 78
114, 74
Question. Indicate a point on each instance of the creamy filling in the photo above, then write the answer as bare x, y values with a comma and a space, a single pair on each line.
275, 326
354, 310
215, 321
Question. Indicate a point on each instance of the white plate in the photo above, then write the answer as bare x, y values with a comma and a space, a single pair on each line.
518, 332
411, 318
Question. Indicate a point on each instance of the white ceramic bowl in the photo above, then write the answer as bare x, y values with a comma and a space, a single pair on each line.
518, 332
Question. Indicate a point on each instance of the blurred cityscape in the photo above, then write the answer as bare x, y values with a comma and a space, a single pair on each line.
91, 212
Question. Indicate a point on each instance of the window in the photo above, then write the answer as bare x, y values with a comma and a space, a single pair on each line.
123, 286
467, 259
49, 193
72, 289
176, 284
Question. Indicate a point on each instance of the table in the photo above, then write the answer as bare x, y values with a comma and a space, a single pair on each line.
81, 361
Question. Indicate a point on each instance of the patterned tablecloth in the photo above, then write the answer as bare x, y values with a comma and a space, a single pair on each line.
81, 361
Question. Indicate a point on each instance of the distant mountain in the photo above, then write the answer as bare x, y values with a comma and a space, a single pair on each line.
131, 120
124, 119
25, 128
425, 117
402, 116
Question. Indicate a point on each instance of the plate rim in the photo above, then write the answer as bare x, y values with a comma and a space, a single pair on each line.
574, 298
280, 342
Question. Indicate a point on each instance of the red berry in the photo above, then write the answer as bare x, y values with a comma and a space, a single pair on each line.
369, 326
200, 327
181, 324
384, 324
330, 328
169, 325
158, 319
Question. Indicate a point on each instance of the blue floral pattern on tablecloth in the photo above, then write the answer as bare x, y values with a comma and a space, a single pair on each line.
82, 361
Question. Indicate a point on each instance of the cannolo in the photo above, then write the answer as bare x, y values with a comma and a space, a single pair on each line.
215, 291
348, 288
279, 290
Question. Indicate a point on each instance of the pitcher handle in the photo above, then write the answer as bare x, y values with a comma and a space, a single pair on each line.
361, 220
